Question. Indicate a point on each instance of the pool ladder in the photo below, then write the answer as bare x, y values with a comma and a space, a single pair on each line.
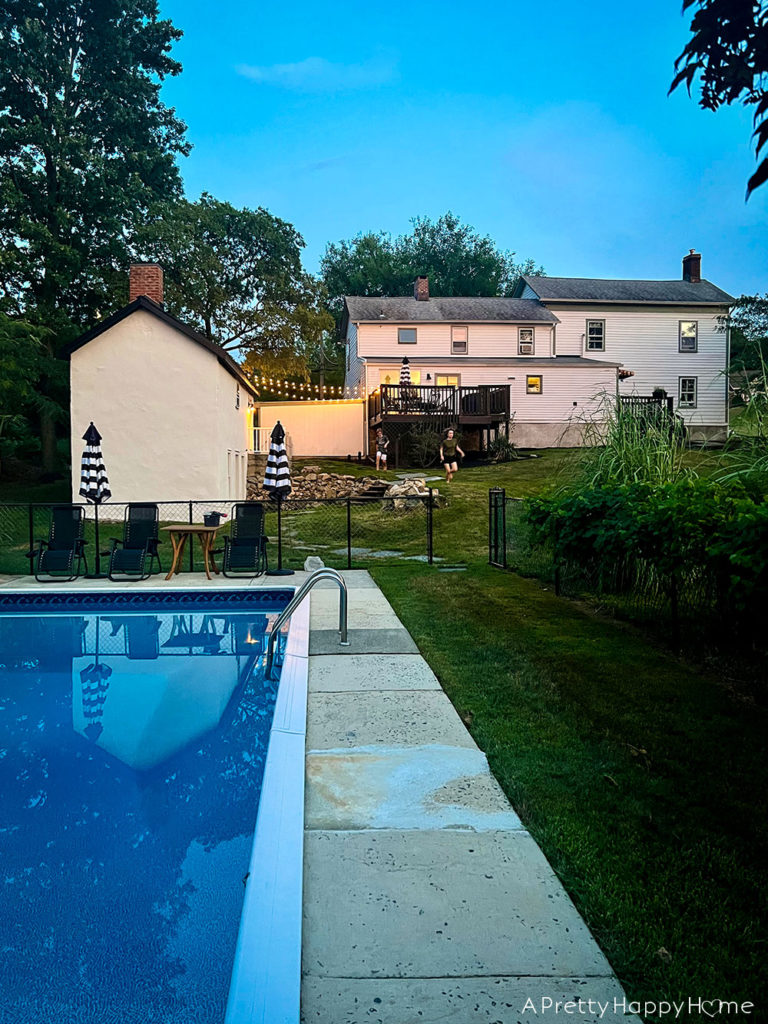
318, 575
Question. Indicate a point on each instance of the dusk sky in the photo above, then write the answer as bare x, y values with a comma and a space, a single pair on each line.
547, 126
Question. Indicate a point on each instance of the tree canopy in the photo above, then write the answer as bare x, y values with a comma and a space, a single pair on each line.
458, 260
728, 51
749, 332
236, 274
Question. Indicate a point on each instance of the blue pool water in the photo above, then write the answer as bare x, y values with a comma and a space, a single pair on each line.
133, 736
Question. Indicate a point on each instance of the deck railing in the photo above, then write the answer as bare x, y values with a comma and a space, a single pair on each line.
483, 401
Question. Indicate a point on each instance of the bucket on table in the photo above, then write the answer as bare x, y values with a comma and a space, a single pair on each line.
213, 518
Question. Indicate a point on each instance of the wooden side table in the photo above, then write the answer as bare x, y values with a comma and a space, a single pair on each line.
179, 532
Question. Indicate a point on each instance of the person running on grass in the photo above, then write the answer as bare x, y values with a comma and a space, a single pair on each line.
382, 443
448, 455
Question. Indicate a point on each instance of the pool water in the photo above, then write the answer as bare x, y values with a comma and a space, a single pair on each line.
133, 737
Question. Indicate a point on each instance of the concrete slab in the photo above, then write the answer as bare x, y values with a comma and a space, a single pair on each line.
391, 718
462, 1001
366, 609
356, 579
437, 904
363, 641
338, 673
425, 787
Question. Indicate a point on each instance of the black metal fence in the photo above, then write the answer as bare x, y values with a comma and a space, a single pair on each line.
684, 604
345, 533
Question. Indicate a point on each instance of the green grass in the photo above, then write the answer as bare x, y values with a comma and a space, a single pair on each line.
643, 781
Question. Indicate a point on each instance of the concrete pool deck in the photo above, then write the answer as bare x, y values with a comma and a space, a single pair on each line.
424, 897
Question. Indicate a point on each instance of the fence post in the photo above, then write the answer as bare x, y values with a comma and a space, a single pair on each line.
430, 546
497, 509
31, 524
349, 533
191, 556
556, 532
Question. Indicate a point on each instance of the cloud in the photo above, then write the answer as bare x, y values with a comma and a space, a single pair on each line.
316, 74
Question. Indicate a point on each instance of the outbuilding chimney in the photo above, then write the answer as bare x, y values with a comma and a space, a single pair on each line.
421, 288
146, 279
692, 266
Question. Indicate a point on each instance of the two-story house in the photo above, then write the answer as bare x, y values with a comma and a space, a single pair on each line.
551, 356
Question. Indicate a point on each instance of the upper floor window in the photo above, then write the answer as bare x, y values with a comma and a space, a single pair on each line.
406, 335
459, 341
687, 393
689, 336
595, 335
525, 343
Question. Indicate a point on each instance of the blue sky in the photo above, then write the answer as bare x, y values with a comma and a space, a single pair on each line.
547, 126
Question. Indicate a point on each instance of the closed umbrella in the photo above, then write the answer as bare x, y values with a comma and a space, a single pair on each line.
405, 373
277, 481
94, 485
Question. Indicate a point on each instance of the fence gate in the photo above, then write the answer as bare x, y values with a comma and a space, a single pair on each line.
497, 527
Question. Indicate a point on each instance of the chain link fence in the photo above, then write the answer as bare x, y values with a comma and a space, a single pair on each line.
685, 606
346, 533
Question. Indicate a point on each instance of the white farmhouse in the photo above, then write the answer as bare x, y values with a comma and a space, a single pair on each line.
550, 356
174, 409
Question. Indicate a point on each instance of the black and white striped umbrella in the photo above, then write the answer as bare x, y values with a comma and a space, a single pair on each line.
405, 372
277, 477
94, 485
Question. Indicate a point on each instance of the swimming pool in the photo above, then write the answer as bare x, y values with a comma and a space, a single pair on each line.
134, 733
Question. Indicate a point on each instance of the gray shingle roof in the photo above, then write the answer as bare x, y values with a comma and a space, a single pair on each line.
405, 309
586, 289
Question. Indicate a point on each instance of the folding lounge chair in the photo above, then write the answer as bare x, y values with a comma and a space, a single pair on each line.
245, 549
62, 557
134, 556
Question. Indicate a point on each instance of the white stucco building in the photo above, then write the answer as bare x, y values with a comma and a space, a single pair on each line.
173, 408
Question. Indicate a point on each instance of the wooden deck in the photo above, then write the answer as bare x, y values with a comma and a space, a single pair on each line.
484, 405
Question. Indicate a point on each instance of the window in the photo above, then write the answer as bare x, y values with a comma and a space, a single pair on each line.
689, 337
533, 385
595, 335
415, 376
237, 396
406, 335
525, 345
687, 394
447, 380
459, 341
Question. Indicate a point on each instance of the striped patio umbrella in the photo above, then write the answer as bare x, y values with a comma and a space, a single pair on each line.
277, 477
94, 485
405, 372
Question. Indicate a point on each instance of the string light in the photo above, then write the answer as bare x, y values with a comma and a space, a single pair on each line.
303, 391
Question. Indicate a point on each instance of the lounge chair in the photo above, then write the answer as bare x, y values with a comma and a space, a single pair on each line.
245, 549
134, 556
61, 558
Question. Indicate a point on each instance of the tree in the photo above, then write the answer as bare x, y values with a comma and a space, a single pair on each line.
749, 332
236, 274
729, 51
22, 364
86, 149
458, 260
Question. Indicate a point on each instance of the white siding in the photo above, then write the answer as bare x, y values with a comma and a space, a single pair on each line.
646, 340
485, 340
528, 293
354, 366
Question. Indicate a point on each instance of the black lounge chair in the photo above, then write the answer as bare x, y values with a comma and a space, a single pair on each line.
61, 558
134, 556
245, 549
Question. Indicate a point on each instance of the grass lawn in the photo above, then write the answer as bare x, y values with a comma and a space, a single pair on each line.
643, 781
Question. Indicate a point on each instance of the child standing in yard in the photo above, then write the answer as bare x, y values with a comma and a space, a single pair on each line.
382, 443
448, 455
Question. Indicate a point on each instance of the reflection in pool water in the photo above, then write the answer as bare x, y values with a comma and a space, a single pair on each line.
132, 749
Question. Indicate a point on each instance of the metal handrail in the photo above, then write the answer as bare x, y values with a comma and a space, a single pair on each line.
325, 573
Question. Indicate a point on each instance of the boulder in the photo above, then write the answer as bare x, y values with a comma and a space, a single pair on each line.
312, 563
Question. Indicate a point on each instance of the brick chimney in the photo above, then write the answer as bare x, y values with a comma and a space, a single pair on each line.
692, 266
146, 279
421, 288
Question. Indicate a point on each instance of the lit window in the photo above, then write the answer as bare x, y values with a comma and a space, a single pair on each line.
459, 341
525, 341
689, 337
687, 395
533, 385
406, 335
447, 380
595, 335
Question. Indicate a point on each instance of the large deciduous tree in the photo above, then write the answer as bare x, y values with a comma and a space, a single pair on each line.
236, 274
458, 260
728, 52
86, 149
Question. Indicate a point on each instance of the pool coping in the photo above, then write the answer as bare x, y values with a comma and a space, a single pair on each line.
265, 985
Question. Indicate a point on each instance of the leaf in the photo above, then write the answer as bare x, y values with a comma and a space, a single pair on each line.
758, 178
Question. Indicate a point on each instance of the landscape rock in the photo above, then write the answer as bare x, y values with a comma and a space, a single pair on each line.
312, 563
